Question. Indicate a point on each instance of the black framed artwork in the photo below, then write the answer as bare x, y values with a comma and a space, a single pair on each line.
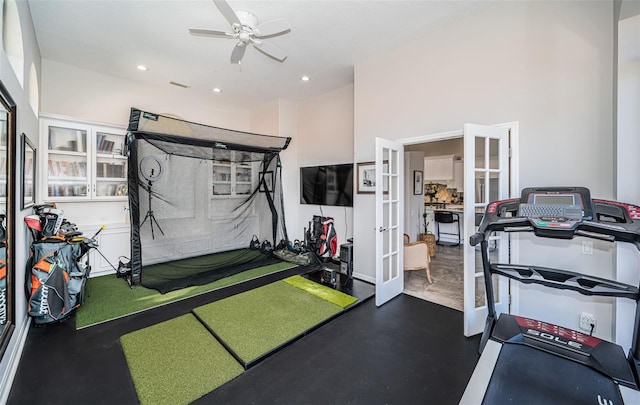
418, 182
268, 182
28, 172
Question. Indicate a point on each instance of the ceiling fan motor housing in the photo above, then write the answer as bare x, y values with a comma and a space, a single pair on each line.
248, 20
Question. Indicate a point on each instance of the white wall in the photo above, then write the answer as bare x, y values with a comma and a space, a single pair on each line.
628, 150
547, 65
325, 136
321, 131
414, 204
80, 93
27, 123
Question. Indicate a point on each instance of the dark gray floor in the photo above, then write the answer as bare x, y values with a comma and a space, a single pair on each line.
407, 351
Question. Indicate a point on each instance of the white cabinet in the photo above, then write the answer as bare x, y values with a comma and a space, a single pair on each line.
113, 242
232, 179
82, 161
438, 168
458, 175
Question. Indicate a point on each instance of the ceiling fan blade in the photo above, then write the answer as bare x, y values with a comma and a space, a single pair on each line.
227, 12
209, 33
273, 27
270, 50
238, 52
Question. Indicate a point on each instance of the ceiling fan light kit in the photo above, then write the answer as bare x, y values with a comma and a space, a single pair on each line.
245, 28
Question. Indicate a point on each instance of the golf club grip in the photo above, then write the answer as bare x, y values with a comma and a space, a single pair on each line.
99, 230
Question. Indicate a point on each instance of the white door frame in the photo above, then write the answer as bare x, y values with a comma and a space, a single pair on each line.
514, 185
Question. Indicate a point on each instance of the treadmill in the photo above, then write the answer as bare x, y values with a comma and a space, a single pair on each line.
528, 361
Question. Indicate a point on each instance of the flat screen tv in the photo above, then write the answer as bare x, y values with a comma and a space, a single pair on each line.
327, 185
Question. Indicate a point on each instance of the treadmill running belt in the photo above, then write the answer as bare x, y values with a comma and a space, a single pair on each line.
524, 375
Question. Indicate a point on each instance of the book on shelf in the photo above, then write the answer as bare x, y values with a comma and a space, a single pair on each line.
58, 168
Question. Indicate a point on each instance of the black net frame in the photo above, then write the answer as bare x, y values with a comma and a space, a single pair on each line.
176, 209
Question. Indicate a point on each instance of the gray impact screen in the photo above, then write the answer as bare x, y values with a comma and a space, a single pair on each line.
198, 195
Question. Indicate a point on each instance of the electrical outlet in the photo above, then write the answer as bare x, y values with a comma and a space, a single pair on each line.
586, 320
587, 247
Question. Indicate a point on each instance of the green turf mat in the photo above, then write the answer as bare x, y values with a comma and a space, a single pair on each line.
177, 361
110, 297
255, 322
336, 297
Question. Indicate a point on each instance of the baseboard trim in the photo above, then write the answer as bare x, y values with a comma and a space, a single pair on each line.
364, 277
20, 338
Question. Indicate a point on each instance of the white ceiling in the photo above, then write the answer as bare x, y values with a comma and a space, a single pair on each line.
326, 40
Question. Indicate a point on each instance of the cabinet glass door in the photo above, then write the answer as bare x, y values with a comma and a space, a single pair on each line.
221, 179
67, 163
111, 165
243, 179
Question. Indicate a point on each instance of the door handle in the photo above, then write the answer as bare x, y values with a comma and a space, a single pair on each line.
383, 229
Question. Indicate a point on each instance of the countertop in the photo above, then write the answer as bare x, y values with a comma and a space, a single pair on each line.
448, 207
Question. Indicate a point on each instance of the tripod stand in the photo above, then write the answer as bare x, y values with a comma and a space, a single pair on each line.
150, 215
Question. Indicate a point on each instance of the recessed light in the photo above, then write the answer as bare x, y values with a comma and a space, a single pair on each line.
216, 90
141, 67
305, 78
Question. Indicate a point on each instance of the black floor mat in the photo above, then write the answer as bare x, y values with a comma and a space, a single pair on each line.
200, 270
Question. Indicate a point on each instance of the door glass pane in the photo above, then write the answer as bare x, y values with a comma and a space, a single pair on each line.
110, 144
394, 239
67, 139
386, 246
385, 215
386, 266
480, 299
494, 186
480, 153
394, 265
494, 161
393, 162
67, 176
111, 177
481, 184
394, 190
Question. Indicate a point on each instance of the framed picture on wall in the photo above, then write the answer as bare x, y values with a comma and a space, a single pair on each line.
268, 182
367, 178
28, 172
418, 182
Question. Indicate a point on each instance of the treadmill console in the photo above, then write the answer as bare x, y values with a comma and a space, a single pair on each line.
556, 207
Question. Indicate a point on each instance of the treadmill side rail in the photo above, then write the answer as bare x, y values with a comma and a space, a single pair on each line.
477, 386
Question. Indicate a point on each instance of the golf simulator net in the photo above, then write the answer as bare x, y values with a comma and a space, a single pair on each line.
197, 191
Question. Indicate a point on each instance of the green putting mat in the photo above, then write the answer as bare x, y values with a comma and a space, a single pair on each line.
256, 322
335, 297
109, 297
177, 361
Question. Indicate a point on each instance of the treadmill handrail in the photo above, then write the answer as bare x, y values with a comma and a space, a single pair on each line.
590, 229
566, 280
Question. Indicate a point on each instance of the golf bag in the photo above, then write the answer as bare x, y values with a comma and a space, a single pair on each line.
56, 280
3, 271
3, 283
322, 238
55, 276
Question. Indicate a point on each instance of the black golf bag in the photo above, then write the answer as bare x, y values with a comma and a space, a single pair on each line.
56, 280
56, 275
322, 238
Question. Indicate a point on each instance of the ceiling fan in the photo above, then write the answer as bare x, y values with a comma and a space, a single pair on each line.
245, 28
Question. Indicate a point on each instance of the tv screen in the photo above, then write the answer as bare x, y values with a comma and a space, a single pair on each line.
327, 185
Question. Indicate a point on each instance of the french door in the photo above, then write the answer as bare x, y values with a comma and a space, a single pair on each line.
486, 174
389, 165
